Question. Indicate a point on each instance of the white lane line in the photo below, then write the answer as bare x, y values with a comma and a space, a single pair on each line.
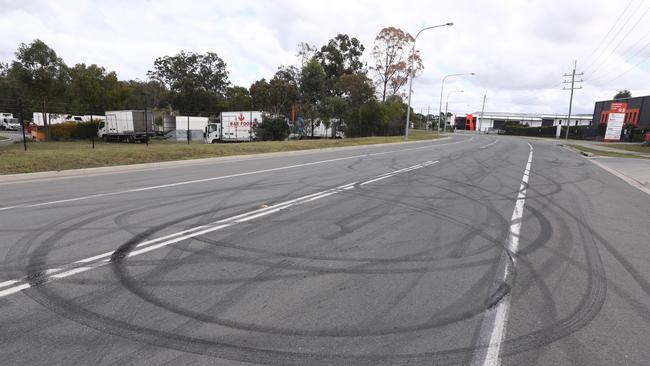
100, 260
143, 189
488, 145
495, 319
397, 172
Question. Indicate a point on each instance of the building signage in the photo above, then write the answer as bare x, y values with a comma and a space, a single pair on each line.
615, 122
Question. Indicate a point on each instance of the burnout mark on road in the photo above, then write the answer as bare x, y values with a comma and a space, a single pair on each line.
86, 264
493, 328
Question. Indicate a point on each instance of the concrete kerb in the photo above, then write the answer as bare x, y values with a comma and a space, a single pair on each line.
116, 169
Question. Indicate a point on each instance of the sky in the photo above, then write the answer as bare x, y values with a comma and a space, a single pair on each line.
519, 50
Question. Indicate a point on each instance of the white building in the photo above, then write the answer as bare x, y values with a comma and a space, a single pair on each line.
498, 120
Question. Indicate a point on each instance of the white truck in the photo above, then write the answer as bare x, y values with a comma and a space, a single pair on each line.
127, 126
233, 127
8, 122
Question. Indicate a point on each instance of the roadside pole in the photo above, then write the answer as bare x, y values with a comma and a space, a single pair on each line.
22, 123
482, 110
188, 128
146, 123
92, 123
573, 81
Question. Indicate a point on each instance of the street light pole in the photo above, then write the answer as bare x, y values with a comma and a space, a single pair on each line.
412, 76
442, 86
447, 101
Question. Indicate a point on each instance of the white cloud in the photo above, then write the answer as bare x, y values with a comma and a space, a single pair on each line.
519, 49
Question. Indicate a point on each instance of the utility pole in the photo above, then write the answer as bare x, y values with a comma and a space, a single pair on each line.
22, 123
480, 120
573, 87
92, 123
188, 128
146, 123
426, 126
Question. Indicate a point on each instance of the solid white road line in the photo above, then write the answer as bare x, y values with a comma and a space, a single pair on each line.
495, 319
100, 260
143, 189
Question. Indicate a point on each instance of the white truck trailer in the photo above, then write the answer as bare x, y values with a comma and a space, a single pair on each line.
127, 126
233, 127
8, 122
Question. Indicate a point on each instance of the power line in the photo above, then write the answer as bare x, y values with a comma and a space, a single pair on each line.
593, 52
604, 61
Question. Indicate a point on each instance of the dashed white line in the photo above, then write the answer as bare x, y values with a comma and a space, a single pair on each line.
488, 145
495, 319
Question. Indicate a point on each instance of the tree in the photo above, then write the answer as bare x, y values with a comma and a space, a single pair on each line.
40, 73
357, 89
278, 95
238, 98
196, 80
306, 52
334, 113
261, 95
624, 93
272, 128
340, 56
91, 87
312, 87
393, 59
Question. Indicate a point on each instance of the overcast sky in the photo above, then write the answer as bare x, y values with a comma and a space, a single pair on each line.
518, 49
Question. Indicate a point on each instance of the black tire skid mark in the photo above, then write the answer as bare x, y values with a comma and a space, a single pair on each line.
365, 358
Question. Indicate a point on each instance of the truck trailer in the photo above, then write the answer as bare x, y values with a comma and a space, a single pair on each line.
233, 127
127, 126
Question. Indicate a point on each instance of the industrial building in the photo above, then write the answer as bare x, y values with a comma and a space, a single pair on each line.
637, 113
497, 120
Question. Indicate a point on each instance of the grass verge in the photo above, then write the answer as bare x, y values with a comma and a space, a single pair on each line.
629, 147
52, 156
3, 138
606, 153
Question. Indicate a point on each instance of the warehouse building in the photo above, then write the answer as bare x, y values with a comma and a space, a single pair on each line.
498, 120
637, 113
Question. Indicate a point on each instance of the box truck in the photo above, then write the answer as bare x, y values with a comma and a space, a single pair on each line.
233, 127
127, 126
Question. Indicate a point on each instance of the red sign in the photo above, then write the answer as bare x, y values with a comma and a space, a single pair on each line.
618, 108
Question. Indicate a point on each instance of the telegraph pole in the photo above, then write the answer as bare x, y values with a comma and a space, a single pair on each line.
22, 123
573, 87
482, 110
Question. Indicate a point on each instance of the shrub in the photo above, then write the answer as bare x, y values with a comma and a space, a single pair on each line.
75, 130
272, 128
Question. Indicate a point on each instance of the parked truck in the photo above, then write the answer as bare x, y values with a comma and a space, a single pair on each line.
8, 122
127, 126
233, 127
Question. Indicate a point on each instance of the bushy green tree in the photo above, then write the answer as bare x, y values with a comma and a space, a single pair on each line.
272, 128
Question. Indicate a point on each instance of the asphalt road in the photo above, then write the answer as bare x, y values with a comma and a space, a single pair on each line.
472, 250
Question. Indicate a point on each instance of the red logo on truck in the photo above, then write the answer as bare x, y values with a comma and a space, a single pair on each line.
241, 117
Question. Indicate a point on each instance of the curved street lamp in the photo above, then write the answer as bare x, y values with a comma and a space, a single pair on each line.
441, 91
411, 77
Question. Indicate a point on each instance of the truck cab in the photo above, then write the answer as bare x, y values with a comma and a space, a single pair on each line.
212, 133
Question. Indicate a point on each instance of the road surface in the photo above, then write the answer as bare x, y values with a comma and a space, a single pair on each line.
478, 250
